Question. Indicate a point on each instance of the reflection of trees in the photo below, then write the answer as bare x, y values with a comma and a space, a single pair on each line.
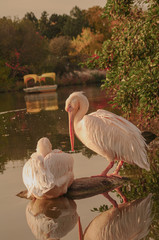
20, 132
2, 164
87, 152
11, 101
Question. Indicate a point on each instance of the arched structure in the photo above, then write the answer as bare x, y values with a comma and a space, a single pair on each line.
31, 76
49, 75
46, 87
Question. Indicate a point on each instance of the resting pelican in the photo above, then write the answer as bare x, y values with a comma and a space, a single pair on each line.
129, 221
107, 134
48, 173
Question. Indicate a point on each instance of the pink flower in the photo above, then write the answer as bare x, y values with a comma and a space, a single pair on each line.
107, 68
17, 53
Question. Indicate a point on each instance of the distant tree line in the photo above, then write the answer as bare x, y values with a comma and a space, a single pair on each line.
56, 43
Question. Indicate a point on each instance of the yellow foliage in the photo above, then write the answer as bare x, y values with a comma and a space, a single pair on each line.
87, 42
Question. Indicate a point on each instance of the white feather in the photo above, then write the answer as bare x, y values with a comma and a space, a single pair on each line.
117, 135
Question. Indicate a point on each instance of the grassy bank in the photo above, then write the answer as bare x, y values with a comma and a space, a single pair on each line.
81, 77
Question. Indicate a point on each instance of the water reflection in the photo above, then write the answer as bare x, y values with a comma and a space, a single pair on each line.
51, 219
42, 101
54, 219
20, 129
19, 132
129, 221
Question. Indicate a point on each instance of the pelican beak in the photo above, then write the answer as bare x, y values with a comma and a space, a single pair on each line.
71, 129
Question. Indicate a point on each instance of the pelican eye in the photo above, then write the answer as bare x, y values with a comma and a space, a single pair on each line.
69, 108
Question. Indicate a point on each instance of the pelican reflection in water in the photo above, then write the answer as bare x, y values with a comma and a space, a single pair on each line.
54, 219
51, 219
129, 221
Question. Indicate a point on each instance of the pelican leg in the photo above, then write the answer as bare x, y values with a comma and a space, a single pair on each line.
120, 164
118, 190
113, 202
116, 172
104, 173
80, 229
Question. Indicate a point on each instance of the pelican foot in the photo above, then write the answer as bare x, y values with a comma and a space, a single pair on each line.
99, 175
114, 175
111, 200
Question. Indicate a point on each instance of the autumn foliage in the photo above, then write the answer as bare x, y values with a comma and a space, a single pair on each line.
56, 43
87, 42
131, 58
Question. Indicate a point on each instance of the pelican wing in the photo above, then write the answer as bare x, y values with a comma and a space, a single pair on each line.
27, 176
35, 176
114, 136
59, 167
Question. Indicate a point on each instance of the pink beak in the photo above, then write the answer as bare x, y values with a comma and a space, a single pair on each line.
71, 129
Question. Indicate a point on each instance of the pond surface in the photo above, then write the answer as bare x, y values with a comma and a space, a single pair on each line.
26, 118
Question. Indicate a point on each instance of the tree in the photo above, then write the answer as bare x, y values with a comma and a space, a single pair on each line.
22, 48
31, 17
33, 47
118, 8
131, 58
7, 37
87, 42
43, 24
98, 23
75, 22
56, 24
60, 58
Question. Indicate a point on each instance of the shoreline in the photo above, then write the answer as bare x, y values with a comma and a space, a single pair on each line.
84, 77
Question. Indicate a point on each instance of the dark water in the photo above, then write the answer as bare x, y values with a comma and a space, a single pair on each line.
26, 118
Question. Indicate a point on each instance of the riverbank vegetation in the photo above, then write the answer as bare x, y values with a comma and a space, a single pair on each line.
131, 57
120, 39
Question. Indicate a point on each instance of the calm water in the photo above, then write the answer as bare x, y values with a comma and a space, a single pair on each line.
26, 118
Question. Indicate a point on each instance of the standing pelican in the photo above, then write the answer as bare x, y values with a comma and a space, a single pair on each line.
48, 173
107, 134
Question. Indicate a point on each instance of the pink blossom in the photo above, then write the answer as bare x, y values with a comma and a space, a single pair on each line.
107, 69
